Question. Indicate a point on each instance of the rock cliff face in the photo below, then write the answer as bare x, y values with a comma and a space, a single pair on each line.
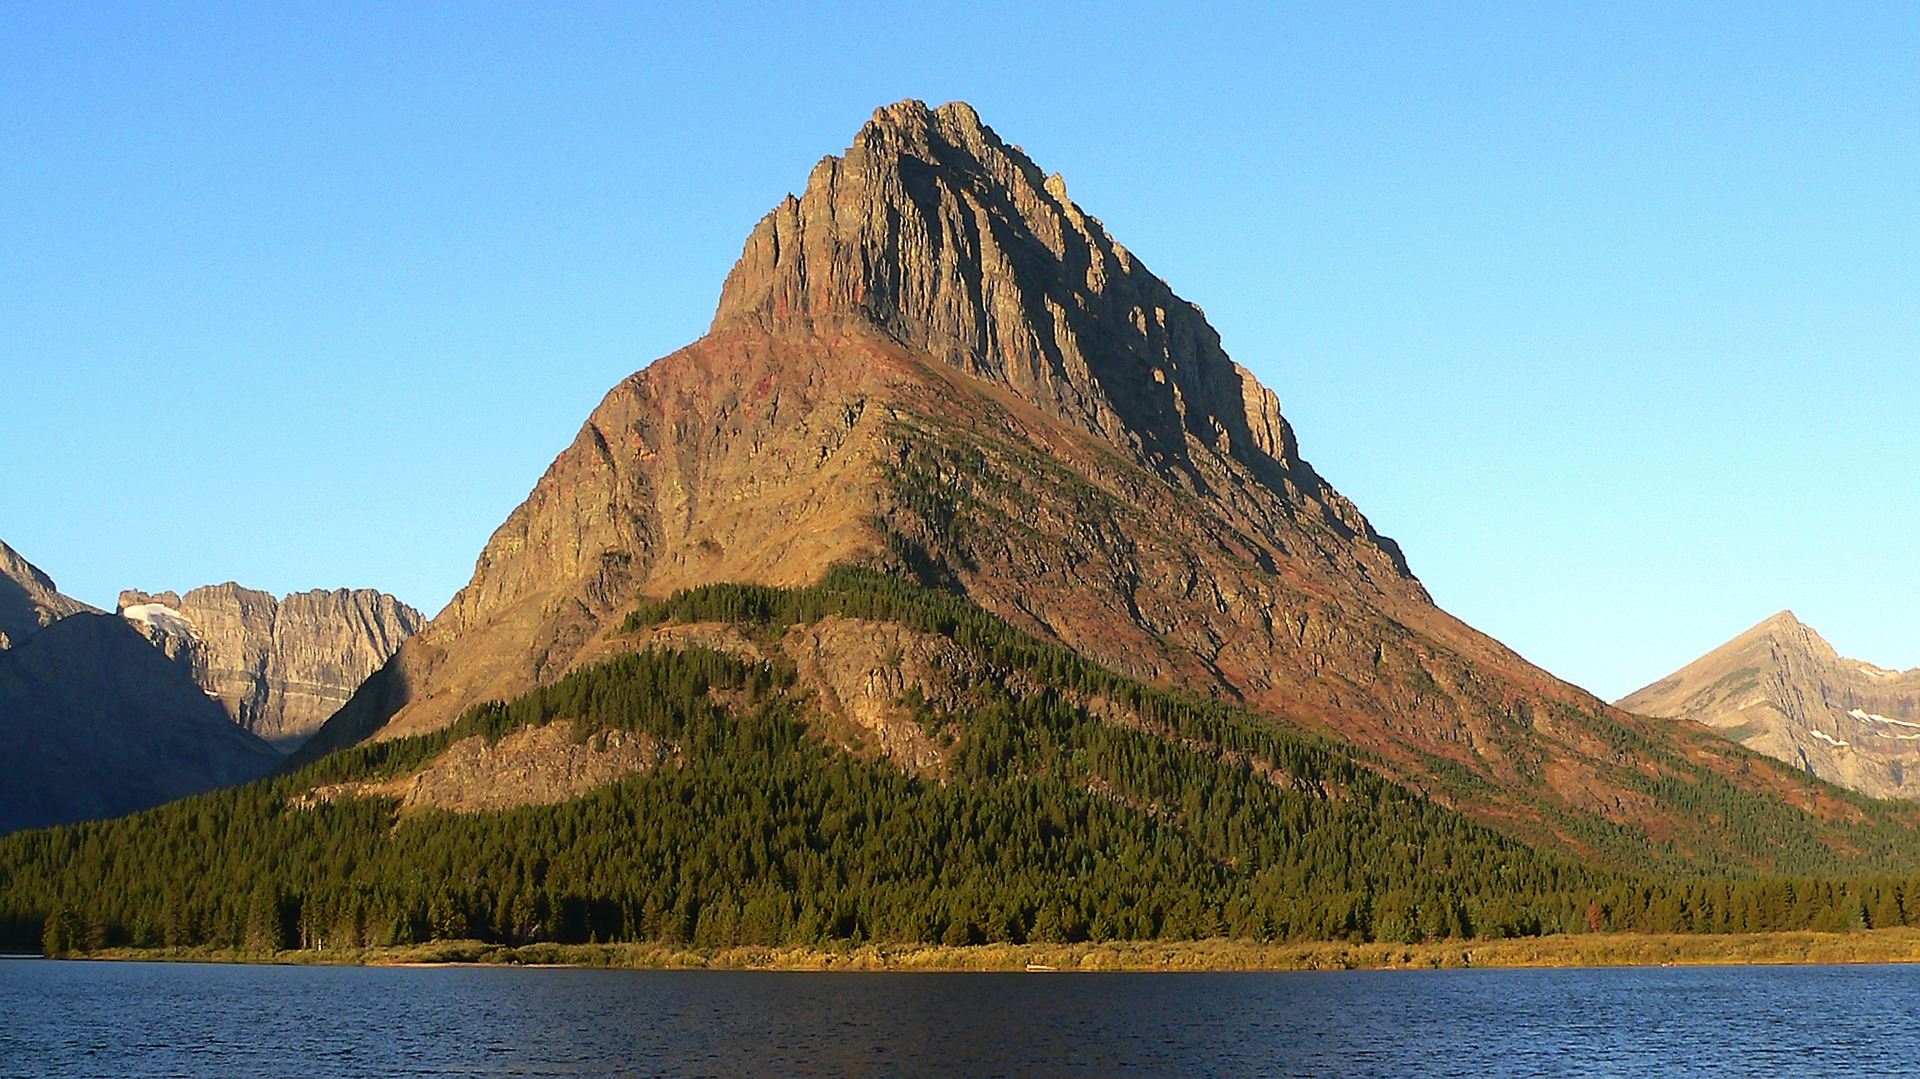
1781, 690
934, 363
29, 600
95, 723
279, 667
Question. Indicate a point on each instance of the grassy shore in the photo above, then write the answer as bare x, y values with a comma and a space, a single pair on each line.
1582, 950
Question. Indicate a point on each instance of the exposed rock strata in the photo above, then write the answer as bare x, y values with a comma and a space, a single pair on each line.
279, 667
936, 235
1781, 690
865, 673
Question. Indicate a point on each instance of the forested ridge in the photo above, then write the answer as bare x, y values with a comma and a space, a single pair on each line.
1047, 824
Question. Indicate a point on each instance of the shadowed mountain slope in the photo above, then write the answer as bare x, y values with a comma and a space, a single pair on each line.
934, 364
95, 722
91, 726
1781, 690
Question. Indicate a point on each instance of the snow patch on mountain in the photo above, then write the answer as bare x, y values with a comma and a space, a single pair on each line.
161, 617
1875, 717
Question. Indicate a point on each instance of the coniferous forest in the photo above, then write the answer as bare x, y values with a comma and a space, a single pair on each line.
1047, 824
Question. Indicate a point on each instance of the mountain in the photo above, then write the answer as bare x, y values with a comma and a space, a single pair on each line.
934, 362
935, 365
956, 586
29, 600
1781, 690
279, 667
94, 722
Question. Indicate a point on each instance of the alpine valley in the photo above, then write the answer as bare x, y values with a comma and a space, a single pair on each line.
957, 586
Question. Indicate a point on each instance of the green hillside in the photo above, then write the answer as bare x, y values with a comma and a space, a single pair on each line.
1048, 824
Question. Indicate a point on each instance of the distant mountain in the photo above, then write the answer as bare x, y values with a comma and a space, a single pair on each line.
29, 600
95, 722
1781, 690
279, 667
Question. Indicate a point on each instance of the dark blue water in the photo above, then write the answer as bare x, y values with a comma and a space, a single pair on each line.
150, 1019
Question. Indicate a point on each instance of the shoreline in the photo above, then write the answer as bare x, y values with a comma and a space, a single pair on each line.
1893, 945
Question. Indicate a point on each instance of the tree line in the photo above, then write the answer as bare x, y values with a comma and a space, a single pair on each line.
1048, 824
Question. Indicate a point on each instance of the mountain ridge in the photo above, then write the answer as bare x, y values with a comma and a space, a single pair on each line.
29, 600
91, 726
279, 666
97, 723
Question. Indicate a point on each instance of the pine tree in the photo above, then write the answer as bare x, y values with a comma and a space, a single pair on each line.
65, 933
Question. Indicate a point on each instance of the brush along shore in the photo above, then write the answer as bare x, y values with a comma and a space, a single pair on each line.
1894, 945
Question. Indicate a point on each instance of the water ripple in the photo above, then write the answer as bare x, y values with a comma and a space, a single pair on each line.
150, 1019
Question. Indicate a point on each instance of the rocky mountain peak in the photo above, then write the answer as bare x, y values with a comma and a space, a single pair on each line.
931, 341
934, 233
934, 364
1785, 629
29, 600
1781, 689
1782, 622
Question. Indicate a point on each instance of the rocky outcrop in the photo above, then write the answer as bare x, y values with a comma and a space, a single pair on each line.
29, 600
529, 766
279, 667
95, 723
1780, 689
934, 363
863, 673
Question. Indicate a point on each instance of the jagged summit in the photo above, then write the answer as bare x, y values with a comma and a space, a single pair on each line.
279, 666
933, 232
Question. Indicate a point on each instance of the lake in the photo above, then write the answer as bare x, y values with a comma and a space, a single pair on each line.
179, 1019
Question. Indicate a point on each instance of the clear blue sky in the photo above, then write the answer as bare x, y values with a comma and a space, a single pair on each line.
1610, 314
